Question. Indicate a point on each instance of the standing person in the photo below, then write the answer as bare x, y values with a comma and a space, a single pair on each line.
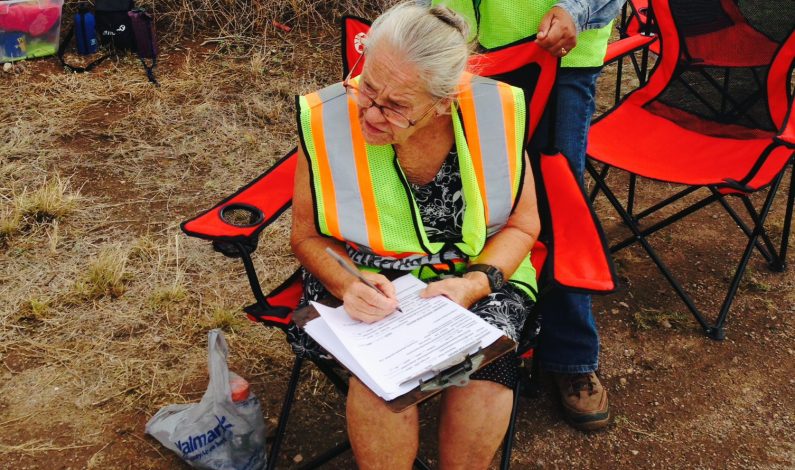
577, 31
387, 178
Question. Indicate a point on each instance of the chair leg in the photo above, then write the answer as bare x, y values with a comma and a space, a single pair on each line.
755, 217
507, 446
251, 274
717, 329
633, 181
780, 263
619, 73
284, 415
640, 237
663, 223
644, 66
664, 203
602, 175
766, 251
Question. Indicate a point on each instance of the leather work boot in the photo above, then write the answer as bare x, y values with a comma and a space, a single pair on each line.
584, 400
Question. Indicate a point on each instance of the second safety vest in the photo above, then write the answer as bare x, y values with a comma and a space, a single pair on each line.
361, 194
502, 22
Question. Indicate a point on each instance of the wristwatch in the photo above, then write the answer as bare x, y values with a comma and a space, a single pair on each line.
496, 279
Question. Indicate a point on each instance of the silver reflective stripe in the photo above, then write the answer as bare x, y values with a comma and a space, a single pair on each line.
330, 92
493, 147
339, 146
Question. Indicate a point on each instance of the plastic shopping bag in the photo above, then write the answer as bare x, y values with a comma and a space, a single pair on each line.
217, 433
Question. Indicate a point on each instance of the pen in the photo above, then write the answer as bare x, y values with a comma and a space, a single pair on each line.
341, 261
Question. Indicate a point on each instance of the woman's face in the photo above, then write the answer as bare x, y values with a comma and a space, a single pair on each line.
392, 82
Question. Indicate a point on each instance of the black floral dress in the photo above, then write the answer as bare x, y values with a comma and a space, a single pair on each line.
441, 205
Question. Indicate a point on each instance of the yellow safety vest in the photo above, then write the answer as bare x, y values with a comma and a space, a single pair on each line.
502, 22
362, 197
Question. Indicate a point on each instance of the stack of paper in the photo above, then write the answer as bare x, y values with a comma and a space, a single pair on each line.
392, 355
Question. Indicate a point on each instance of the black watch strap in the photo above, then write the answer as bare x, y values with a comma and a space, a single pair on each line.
493, 273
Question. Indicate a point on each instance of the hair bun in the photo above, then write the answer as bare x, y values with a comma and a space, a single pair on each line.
450, 18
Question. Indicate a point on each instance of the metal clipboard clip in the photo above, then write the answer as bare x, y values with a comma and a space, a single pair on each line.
455, 371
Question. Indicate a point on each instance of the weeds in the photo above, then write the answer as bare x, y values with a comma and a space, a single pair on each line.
647, 318
226, 318
35, 309
10, 224
250, 22
165, 298
52, 200
106, 275
754, 281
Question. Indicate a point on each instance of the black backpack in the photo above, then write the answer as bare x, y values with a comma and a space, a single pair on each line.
120, 28
114, 27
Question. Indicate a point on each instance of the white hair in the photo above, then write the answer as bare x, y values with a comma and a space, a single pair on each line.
433, 39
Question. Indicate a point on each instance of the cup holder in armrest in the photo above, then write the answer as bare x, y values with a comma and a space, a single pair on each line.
241, 215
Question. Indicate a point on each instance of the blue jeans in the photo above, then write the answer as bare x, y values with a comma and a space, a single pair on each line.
569, 342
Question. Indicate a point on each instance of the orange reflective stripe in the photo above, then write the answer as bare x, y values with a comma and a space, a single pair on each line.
473, 138
326, 180
376, 240
509, 119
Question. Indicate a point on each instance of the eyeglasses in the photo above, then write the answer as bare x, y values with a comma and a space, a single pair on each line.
365, 100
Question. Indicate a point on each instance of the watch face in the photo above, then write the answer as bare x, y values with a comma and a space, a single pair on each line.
495, 276
497, 280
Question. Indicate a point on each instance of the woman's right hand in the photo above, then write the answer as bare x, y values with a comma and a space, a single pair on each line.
364, 303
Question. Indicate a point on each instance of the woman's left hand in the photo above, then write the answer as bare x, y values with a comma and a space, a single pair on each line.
461, 290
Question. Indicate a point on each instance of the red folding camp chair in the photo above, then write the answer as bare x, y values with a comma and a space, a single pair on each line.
235, 223
652, 134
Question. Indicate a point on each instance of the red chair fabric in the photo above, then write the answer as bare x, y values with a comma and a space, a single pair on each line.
734, 43
578, 260
647, 137
644, 143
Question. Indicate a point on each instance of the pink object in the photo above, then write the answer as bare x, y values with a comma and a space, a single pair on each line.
240, 387
29, 18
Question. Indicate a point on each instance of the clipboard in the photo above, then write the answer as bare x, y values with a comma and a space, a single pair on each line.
455, 372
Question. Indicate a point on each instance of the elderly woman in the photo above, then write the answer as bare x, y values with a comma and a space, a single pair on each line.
418, 166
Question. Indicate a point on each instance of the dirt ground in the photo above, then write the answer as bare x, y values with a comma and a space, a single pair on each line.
104, 304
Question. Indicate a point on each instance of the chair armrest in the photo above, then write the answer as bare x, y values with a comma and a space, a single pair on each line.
243, 215
578, 258
623, 47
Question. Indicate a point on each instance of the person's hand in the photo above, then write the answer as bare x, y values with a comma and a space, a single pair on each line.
557, 33
364, 303
464, 291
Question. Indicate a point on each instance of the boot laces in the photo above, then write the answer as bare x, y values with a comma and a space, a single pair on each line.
580, 382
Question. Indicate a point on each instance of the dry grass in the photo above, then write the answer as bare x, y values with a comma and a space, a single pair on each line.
106, 275
238, 26
104, 304
10, 223
52, 200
